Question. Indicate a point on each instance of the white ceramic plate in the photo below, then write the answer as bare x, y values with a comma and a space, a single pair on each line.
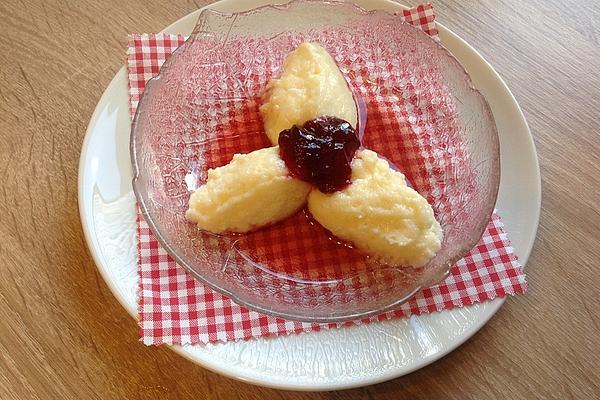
327, 360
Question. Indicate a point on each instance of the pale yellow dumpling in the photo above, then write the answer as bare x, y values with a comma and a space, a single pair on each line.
380, 214
253, 190
310, 86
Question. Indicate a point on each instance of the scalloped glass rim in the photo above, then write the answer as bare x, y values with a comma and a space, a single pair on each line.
241, 300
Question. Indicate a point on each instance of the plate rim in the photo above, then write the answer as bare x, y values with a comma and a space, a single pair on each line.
255, 378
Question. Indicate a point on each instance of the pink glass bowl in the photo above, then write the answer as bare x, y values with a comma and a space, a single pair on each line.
419, 110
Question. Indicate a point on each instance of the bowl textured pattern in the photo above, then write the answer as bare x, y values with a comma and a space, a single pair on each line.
422, 115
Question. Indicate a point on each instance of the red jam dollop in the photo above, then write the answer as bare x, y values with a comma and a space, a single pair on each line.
320, 152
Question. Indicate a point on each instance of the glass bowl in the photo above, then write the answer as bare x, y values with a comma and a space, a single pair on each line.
422, 114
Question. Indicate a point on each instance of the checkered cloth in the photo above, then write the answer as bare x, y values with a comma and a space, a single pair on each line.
175, 308
423, 17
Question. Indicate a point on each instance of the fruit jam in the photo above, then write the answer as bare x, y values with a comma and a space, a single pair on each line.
320, 152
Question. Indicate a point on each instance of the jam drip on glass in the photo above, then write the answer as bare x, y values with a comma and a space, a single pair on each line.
320, 152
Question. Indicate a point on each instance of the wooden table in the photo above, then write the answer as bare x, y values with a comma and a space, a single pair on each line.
64, 336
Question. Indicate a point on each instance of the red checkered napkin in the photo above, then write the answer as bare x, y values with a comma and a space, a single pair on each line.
177, 309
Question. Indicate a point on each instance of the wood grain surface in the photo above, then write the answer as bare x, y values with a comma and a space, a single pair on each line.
64, 336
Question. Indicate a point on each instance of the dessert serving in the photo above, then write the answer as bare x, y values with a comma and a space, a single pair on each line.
313, 160
358, 197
